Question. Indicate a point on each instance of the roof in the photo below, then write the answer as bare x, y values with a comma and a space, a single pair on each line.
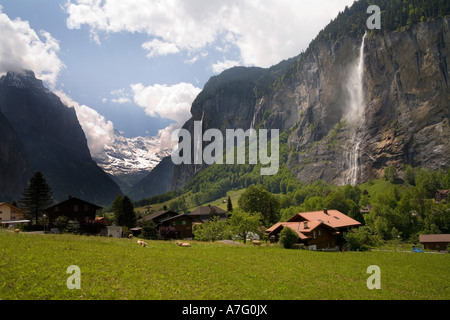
303, 229
334, 218
206, 210
423, 238
73, 199
10, 205
175, 217
157, 215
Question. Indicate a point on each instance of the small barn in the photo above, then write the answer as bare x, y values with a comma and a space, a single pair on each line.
435, 241
114, 231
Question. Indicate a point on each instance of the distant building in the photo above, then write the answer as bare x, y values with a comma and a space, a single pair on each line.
11, 215
435, 241
114, 231
441, 195
183, 223
157, 217
74, 209
366, 209
318, 229
203, 214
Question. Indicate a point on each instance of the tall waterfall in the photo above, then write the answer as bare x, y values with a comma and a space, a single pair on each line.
355, 117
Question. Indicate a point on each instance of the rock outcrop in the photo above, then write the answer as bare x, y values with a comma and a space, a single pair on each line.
405, 105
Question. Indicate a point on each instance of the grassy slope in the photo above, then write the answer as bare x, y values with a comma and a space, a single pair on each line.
34, 267
234, 194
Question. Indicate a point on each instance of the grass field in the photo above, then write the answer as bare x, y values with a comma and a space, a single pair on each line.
234, 195
34, 267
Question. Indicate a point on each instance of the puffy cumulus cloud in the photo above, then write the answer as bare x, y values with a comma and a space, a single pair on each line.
22, 48
264, 31
169, 102
159, 48
99, 132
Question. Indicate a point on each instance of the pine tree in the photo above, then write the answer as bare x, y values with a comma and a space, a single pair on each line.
124, 212
229, 205
37, 196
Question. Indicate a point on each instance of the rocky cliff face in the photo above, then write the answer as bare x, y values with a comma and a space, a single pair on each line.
14, 166
404, 105
51, 140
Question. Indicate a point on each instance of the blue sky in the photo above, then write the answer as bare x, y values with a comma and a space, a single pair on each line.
136, 66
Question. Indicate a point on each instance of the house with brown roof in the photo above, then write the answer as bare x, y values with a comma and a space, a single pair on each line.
158, 216
203, 214
183, 223
435, 241
317, 230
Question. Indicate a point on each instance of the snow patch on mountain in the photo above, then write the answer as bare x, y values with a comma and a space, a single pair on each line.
131, 156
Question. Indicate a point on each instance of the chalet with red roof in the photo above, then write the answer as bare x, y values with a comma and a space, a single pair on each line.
317, 230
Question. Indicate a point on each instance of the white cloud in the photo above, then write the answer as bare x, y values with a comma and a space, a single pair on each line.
265, 32
21, 48
169, 102
99, 132
159, 48
121, 96
224, 65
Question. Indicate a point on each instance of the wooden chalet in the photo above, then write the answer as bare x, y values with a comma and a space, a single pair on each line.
74, 209
183, 223
157, 217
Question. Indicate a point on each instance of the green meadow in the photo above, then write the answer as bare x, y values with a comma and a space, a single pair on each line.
34, 267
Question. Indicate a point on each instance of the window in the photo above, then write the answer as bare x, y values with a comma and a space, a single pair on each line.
75, 207
320, 233
315, 234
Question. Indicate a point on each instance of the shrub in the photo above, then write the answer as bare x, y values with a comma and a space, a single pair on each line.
149, 230
73, 227
61, 223
168, 232
288, 238
360, 239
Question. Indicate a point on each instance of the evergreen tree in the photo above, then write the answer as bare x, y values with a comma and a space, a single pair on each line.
124, 212
37, 196
229, 205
